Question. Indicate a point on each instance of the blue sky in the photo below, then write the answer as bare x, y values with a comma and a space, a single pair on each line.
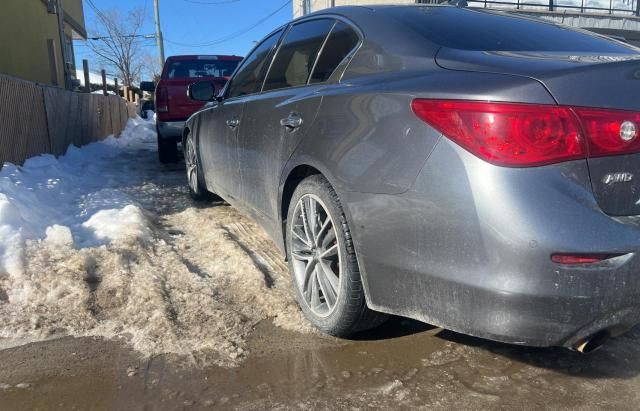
187, 24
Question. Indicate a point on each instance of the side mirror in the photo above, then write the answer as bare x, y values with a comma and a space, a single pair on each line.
202, 91
148, 86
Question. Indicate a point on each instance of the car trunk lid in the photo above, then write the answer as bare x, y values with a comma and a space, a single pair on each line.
579, 80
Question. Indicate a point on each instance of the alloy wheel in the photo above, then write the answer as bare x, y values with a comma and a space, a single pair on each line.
316, 256
191, 161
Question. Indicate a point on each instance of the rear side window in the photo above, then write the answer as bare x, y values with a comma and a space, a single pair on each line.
249, 78
467, 29
342, 40
201, 68
297, 54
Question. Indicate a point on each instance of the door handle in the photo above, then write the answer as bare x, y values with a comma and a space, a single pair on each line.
291, 123
233, 123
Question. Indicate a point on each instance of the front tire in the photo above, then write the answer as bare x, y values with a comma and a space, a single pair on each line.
323, 263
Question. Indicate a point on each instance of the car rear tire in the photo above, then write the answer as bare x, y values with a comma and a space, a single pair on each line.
167, 150
195, 178
323, 264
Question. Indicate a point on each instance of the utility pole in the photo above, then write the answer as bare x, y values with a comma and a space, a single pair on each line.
159, 39
63, 49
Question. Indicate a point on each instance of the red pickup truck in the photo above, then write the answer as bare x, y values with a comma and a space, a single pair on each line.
173, 106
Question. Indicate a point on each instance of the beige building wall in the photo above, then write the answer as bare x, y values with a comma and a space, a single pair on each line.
30, 45
298, 5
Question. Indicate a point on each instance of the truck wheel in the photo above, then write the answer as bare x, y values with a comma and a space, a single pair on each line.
323, 264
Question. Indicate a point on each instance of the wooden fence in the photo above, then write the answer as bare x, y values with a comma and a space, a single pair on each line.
36, 119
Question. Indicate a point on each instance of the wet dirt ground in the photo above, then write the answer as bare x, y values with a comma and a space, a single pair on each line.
403, 365
259, 353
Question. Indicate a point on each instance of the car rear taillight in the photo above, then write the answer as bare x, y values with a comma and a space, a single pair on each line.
610, 132
162, 100
507, 134
525, 135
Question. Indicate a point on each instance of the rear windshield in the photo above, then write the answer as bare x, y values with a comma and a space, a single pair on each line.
201, 68
494, 31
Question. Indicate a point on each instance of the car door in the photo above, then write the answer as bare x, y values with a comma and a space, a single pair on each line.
218, 145
278, 118
223, 121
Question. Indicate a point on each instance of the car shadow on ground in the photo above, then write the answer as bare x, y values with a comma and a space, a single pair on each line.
618, 358
394, 327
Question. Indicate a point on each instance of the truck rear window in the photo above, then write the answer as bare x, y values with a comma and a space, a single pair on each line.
201, 68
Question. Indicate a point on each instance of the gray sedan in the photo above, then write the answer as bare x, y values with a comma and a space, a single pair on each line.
475, 170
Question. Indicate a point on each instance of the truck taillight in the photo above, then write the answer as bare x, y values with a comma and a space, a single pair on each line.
525, 135
162, 100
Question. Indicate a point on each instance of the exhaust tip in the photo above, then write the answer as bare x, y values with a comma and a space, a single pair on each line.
592, 343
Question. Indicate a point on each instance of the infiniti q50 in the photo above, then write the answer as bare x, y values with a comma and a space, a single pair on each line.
476, 170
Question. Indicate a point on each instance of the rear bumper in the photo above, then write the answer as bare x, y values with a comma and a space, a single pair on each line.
468, 249
170, 130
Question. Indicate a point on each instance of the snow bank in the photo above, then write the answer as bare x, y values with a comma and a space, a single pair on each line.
106, 242
117, 224
10, 237
74, 199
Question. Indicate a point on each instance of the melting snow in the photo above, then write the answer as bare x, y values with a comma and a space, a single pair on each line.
76, 193
105, 241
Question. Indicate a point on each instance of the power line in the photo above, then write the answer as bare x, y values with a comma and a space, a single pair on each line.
233, 35
124, 36
210, 3
97, 10
143, 41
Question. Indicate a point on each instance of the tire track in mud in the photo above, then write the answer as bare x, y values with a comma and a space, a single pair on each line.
92, 282
259, 245
222, 246
248, 242
258, 262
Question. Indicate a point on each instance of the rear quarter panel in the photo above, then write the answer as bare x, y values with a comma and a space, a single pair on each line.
367, 138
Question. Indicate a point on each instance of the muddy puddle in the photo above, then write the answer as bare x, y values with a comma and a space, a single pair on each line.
404, 365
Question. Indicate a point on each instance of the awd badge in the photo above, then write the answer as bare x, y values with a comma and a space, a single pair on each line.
615, 178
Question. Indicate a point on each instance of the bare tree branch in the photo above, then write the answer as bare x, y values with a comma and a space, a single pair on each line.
119, 46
